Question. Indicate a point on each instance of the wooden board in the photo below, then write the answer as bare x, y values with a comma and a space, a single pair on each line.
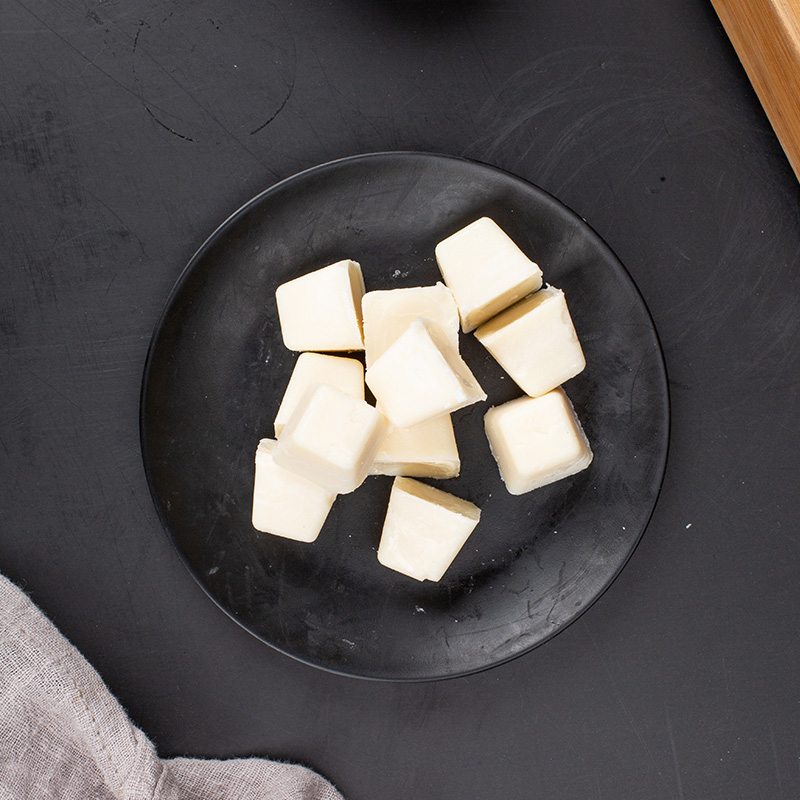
766, 36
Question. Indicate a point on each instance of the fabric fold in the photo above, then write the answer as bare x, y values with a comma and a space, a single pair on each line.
64, 735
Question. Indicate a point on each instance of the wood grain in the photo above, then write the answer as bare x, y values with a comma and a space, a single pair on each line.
766, 36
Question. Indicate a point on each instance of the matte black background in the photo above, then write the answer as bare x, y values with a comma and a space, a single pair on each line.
128, 130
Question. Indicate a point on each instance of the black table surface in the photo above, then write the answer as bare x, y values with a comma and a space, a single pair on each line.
130, 130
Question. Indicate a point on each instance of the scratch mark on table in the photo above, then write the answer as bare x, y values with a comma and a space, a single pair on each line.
621, 702
775, 761
484, 64
674, 750
145, 105
189, 93
285, 99
75, 50
115, 215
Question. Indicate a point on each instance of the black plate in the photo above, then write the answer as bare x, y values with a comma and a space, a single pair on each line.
217, 369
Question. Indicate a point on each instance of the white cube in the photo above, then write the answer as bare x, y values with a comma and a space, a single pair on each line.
422, 376
485, 270
284, 503
346, 374
322, 309
427, 450
536, 441
535, 342
387, 314
331, 438
424, 529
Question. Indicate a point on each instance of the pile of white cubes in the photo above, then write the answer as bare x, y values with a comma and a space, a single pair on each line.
329, 439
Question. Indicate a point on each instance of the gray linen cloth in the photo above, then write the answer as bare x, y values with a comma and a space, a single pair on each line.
63, 735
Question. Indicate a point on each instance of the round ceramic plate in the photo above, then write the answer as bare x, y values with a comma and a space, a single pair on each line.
217, 369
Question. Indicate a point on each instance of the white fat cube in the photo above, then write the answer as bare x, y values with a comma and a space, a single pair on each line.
284, 503
536, 441
387, 314
346, 374
427, 450
422, 376
485, 270
331, 438
535, 342
424, 530
322, 309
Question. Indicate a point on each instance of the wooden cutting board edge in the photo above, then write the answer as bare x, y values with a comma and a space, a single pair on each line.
766, 37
